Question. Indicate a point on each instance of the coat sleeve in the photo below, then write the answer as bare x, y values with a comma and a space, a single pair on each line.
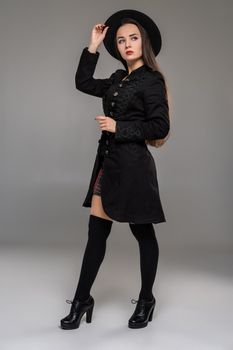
156, 124
84, 80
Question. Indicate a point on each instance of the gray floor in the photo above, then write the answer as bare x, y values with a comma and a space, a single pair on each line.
194, 300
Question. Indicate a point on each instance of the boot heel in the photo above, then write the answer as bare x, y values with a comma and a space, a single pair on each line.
78, 309
151, 314
89, 314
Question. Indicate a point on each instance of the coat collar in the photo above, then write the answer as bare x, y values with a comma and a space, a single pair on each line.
136, 72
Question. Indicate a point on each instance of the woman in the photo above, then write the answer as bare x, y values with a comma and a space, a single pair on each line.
123, 185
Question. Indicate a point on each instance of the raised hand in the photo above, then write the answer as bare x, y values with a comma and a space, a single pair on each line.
97, 35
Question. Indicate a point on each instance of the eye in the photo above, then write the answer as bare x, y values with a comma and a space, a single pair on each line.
133, 37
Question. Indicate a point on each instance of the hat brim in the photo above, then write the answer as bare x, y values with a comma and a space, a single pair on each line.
114, 22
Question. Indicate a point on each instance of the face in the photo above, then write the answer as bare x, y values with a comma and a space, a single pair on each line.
128, 38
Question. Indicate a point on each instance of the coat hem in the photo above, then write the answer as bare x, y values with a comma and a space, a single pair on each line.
118, 218
87, 204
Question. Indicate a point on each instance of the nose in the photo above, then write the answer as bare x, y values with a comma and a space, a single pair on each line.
127, 44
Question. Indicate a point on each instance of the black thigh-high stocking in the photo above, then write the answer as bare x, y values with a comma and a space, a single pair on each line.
98, 232
149, 255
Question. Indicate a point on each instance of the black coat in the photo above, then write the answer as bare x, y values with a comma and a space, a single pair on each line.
129, 191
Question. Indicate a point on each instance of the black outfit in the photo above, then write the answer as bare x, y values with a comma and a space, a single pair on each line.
129, 187
99, 230
124, 174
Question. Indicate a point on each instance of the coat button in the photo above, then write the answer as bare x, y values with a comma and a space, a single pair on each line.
107, 142
111, 113
106, 152
113, 103
115, 93
120, 84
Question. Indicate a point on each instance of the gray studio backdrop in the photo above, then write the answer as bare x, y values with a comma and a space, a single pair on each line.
48, 135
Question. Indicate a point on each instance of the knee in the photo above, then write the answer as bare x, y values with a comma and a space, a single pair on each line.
143, 231
138, 228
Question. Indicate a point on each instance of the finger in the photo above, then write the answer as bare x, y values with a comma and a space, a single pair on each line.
100, 26
100, 117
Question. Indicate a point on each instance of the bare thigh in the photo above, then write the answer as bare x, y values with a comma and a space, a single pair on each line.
97, 208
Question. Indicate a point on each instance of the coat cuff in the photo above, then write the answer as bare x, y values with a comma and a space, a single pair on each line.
92, 55
133, 131
128, 131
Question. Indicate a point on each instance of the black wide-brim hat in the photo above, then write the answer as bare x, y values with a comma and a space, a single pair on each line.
114, 22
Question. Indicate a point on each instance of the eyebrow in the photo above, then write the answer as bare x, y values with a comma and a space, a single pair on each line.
129, 35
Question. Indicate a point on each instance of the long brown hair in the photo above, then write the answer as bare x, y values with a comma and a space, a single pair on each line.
149, 59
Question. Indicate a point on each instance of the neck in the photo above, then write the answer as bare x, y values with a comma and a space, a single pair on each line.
134, 65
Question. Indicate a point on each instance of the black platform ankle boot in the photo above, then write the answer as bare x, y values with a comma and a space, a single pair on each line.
142, 313
78, 309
